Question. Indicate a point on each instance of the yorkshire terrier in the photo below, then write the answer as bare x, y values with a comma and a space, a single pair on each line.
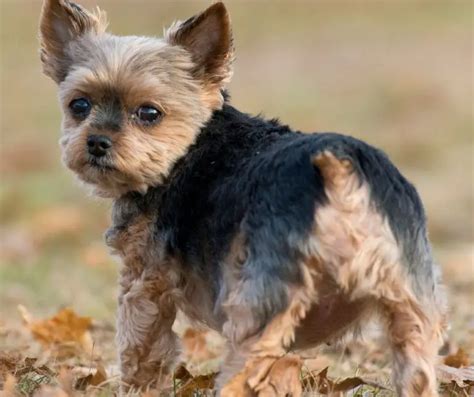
278, 240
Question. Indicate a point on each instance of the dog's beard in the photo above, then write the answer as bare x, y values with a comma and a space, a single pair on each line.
104, 177
103, 164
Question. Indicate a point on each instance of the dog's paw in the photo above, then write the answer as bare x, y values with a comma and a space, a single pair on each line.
267, 377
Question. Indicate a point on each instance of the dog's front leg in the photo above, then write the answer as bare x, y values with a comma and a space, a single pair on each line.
146, 342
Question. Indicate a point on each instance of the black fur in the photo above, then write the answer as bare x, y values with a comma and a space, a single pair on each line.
109, 114
248, 176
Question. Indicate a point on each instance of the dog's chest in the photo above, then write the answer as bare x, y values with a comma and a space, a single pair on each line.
130, 235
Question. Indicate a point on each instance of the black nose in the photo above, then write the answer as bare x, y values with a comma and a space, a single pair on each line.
98, 145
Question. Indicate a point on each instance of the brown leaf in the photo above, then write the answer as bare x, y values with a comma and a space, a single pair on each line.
457, 360
319, 381
182, 374
201, 382
95, 378
325, 385
82, 383
64, 332
8, 365
100, 376
463, 377
14, 364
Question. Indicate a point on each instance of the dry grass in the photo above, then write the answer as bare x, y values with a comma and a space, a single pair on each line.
395, 73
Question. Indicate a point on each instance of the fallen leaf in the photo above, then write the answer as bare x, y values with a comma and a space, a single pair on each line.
201, 382
95, 378
323, 384
463, 377
100, 376
28, 374
458, 359
8, 365
64, 332
181, 374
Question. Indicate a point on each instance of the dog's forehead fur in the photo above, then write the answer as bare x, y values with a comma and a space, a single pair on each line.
119, 74
135, 68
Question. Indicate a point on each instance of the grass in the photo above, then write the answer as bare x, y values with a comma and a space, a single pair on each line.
393, 73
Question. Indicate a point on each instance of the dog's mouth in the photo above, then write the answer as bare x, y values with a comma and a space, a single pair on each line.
101, 164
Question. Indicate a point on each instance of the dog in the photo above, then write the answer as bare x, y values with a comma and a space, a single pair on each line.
278, 240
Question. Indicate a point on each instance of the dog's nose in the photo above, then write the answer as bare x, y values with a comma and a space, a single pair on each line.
98, 145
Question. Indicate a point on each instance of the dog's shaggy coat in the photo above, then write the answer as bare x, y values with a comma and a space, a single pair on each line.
277, 239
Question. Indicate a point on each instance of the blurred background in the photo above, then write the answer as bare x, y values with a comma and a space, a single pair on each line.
397, 74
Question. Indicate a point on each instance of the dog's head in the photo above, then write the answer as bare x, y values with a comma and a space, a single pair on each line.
132, 105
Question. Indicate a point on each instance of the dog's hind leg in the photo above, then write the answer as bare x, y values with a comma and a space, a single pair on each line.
397, 274
414, 338
261, 365
258, 363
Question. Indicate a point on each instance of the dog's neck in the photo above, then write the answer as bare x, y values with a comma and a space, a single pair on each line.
228, 135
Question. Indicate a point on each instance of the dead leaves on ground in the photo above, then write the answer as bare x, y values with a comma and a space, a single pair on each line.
65, 334
66, 365
455, 375
66, 337
23, 376
27, 377
462, 377
94, 378
186, 385
457, 360
321, 383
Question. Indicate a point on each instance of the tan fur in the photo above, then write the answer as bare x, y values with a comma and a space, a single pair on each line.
208, 37
141, 157
352, 264
267, 377
360, 253
264, 352
87, 62
146, 311
60, 22
415, 342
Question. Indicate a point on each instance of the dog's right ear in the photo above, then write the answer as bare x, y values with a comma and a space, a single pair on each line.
61, 23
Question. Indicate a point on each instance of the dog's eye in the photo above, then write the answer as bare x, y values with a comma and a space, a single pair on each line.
148, 114
80, 107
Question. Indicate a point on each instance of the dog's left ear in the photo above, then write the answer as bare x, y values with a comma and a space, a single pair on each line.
208, 37
61, 23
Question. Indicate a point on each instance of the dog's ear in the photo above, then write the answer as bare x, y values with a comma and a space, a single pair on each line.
208, 37
61, 23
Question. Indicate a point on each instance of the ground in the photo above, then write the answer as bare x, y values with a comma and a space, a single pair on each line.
396, 74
